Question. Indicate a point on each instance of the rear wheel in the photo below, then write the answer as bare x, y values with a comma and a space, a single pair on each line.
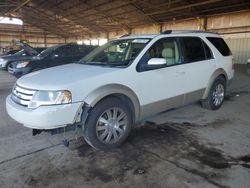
216, 94
108, 125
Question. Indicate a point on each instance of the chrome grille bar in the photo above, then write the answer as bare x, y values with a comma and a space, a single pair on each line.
22, 95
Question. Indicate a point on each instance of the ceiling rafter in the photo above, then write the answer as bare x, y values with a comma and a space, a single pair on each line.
92, 17
112, 19
55, 22
92, 27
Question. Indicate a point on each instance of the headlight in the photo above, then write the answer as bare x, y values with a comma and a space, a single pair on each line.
2, 61
50, 98
23, 64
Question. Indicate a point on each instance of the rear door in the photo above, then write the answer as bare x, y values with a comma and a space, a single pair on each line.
198, 62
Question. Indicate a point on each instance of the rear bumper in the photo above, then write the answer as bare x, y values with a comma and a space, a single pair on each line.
44, 117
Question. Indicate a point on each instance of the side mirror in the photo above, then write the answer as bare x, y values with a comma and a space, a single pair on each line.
154, 63
157, 61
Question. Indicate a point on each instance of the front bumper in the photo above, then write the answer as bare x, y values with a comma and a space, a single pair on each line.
19, 71
2, 66
44, 117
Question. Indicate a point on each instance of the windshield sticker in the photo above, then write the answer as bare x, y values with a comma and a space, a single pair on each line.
140, 41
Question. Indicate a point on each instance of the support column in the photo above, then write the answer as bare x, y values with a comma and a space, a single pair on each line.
45, 40
161, 28
205, 23
107, 36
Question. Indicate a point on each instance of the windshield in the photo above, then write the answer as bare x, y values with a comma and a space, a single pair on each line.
116, 53
21, 52
47, 52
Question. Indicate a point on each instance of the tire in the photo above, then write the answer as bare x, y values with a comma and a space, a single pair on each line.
216, 95
103, 129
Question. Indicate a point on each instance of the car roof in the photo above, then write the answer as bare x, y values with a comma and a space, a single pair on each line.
172, 33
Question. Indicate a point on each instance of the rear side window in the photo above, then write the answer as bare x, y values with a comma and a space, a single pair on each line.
193, 49
65, 51
221, 46
85, 49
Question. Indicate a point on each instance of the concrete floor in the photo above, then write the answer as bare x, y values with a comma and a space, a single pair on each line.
187, 147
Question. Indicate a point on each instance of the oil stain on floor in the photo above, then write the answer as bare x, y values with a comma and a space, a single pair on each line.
146, 148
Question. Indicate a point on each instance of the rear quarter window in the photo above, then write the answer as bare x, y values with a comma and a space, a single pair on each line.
85, 49
221, 45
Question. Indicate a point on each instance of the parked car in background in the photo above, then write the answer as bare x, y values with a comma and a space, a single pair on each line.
26, 53
123, 82
53, 56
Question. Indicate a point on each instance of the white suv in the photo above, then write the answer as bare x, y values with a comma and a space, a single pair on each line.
122, 82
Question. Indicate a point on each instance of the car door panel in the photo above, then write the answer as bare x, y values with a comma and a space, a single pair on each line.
162, 88
197, 66
161, 91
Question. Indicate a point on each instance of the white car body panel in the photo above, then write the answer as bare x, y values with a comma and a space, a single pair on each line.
150, 87
44, 117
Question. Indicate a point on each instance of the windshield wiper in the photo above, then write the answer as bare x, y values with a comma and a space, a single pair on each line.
103, 64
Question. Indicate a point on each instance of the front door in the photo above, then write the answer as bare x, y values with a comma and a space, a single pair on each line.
161, 88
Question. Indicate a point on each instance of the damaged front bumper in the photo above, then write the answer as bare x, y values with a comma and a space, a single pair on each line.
45, 117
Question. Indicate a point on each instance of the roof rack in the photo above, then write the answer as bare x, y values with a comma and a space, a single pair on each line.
186, 31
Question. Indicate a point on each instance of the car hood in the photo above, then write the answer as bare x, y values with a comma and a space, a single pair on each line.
62, 77
15, 57
33, 59
27, 48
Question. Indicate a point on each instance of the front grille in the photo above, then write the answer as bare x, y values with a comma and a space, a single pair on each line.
11, 68
22, 95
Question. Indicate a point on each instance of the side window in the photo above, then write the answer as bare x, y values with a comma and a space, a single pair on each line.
75, 50
207, 51
193, 49
64, 51
221, 46
165, 49
82, 49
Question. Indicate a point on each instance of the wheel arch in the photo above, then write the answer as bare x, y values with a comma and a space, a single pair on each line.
115, 90
219, 72
7, 64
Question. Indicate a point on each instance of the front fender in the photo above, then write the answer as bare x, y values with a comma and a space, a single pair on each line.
104, 91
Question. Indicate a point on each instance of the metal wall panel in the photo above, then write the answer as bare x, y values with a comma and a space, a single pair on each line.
240, 48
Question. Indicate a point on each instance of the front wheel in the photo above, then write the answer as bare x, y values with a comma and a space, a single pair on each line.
9, 66
108, 125
216, 95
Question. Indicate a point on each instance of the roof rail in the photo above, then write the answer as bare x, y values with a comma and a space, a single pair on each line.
186, 31
126, 35
167, 32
